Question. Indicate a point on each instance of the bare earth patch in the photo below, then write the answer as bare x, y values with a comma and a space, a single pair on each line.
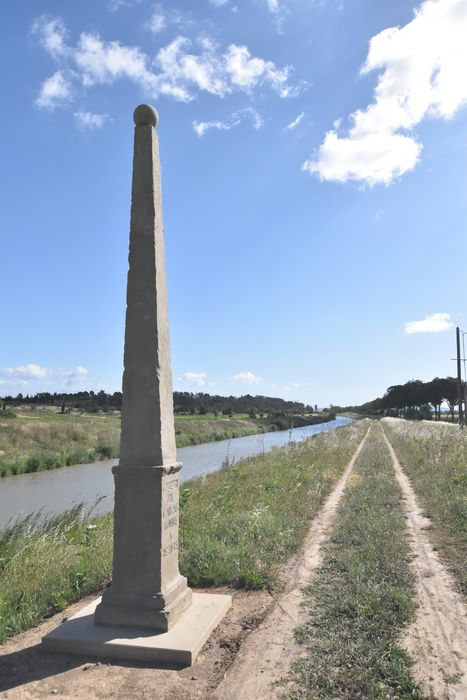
437, 638
28, 672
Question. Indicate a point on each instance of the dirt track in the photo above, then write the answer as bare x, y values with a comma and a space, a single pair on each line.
254, 646
437, 638
270, 650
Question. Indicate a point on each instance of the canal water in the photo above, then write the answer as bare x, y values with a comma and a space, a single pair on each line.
59, 489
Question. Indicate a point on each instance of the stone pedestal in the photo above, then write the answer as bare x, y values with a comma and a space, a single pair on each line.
147, 589
180, 645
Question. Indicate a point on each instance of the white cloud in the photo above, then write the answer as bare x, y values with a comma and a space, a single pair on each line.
54, 91
200, 128
422, 73
52, 35
180, 69
162, 18
372, 158
195, 378
114, 5
26, 371
80, 371
279, 12
88, 120
219, 3
295, 122
104, 62
246, 71
247, 378
158, 21
36, 377
436, 323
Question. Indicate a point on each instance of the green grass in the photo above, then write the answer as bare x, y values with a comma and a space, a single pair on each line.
255, 513
193, 430
45, 564
38, 440
43, 440
237, 527
363, 594
434, 456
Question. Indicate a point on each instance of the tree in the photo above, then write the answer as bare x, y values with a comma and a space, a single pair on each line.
450, 395
435, 392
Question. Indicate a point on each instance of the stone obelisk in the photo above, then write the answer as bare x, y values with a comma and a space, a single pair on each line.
147, 589
148, 613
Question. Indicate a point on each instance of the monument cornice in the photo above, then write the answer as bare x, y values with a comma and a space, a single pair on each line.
146, 470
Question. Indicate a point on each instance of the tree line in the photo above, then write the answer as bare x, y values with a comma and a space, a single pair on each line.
414, 399
185, 402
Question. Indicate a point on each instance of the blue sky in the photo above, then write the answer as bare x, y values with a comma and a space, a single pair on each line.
314, 181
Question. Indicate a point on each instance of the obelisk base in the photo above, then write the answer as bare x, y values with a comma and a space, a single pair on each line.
179, 646
147, 589
158, 613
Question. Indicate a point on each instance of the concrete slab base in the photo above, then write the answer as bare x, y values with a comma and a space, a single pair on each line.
180, 645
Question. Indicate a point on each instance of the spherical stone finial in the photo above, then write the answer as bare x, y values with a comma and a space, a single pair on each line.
145, 114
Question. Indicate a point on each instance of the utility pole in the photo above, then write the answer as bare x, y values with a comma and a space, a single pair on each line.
460, 392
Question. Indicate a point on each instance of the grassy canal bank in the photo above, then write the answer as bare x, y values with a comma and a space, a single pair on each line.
36, 440
238, 526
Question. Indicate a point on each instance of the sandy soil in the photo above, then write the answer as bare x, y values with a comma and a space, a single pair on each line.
437, 638
269, 651
28, 672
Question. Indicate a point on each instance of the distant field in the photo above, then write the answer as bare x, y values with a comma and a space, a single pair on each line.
42, 439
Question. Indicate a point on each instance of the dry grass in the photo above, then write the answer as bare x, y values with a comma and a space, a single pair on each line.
434, 456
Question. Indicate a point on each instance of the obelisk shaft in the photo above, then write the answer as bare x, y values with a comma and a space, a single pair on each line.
147, 589
147, 437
